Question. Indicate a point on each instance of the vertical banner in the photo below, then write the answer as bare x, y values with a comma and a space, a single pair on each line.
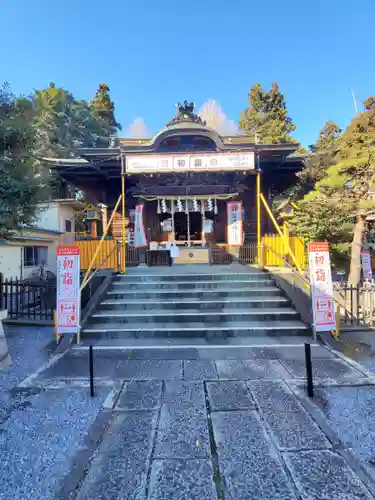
321, 287
234, 223
68, 299
139, 230
366, 265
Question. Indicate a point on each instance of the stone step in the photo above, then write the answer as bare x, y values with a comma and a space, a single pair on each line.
161, 278
196, 294
198, 330
173, 318
189, 285
193, 304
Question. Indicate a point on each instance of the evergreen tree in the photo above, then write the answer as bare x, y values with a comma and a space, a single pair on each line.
102, 110
22, 183
267, 117
342, 202
53, 122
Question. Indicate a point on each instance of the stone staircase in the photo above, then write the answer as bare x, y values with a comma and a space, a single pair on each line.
211, 302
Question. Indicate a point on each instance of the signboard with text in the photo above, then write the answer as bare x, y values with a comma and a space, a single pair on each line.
366, 265
234, 223
321, 287
68, 282
190, 162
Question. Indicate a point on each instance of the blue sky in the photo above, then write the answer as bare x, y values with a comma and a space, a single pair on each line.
153, 54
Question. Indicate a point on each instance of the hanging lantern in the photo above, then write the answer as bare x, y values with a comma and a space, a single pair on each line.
158, 209
215, 209
179, 205
209, 203
164, 208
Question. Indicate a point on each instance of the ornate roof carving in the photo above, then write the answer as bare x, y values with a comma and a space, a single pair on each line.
186, 113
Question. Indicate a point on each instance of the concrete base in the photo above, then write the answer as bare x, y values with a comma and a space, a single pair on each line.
5, 359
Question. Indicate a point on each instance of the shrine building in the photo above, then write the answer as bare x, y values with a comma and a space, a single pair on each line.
187, 186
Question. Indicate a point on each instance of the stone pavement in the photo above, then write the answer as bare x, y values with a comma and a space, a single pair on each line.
202, 423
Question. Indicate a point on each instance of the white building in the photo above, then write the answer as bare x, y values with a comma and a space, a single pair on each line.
34, 249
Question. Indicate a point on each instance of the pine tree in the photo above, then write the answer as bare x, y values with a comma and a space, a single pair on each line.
343, 201
102, 110
267, 117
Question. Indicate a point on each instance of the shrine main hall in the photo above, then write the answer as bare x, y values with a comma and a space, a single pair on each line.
187, 186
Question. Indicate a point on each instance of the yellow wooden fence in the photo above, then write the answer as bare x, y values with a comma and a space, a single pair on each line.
109, 256
277, 244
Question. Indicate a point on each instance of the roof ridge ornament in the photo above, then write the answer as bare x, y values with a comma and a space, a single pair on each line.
186, 114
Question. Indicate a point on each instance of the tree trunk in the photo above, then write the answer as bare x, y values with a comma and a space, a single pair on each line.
355, 261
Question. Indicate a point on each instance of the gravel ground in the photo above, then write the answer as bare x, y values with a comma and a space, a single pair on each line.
40, 440
40, 431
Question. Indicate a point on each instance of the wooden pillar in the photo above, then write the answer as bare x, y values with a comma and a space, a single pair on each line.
94, 229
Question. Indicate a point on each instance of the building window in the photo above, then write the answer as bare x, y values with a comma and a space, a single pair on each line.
35, 256
68, 226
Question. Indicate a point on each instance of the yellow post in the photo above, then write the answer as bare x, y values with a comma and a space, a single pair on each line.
277, 227
259, 235
286, 232
100, 244
123, 231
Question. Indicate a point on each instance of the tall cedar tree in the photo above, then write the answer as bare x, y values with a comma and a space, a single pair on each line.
21, 182
342, 203
267, 117
103, 111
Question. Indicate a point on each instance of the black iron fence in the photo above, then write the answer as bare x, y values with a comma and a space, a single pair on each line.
28, 299
357, 303
225, 254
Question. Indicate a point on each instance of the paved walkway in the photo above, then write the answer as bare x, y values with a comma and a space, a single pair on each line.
202, 423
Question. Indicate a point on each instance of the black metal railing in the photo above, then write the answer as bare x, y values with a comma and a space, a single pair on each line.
158, 258
225, 254
28, 299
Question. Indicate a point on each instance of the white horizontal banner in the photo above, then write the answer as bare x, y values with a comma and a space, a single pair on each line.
188, 162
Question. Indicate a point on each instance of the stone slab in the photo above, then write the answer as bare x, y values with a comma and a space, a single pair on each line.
350, 411
202, 369
323, 475
291, 425
182, 433
247, 458
119, 469
149, 369
297, 352
334, 369
140, 395
181, 480
228, 395
181, 395
252, 369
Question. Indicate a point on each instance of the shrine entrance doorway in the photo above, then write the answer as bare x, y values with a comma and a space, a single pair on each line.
188, 228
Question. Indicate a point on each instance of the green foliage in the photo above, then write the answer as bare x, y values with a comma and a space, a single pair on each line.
343, 195
267, 118
22, 183
102, 110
